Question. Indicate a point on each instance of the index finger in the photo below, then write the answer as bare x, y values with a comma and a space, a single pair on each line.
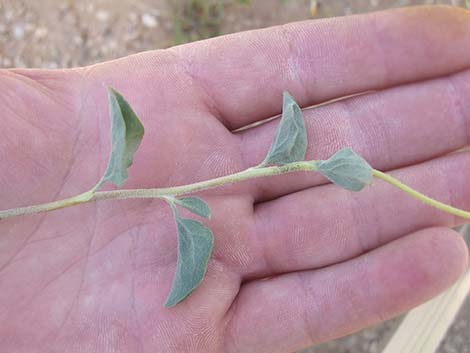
243, 74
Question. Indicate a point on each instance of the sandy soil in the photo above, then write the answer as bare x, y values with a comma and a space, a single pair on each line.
67, 33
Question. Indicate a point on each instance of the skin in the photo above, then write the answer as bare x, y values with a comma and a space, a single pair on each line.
297, 261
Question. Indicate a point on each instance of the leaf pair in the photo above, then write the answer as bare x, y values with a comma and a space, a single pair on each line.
195, 241
345, 168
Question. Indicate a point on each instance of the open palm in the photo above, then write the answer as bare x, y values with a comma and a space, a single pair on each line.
296, 260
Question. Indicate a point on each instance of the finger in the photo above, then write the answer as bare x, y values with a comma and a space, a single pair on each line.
390, 129
245, 73
325, 225
291, 311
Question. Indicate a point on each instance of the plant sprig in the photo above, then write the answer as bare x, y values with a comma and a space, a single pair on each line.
195, 240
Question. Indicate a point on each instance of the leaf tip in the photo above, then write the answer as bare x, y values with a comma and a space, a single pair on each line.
111, 90
287, 95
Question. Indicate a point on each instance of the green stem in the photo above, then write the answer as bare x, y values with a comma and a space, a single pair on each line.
255, 172
161, 192
417, 195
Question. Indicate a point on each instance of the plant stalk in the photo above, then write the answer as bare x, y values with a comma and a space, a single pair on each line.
249, 173
419, 196
91, 195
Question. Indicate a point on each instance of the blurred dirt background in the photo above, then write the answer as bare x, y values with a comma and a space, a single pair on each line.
67, 33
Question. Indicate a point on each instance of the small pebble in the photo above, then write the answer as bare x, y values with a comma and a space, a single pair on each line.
18, 32
102, 16
40, 33
77, 40
149, 21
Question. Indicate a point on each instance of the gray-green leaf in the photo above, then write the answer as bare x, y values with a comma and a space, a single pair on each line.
290, 142
126, 133
346, 169
195, 243
195, 205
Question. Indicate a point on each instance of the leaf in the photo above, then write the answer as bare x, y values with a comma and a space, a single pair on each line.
346, 169
195, 205
290, 143
195, 243
126, 133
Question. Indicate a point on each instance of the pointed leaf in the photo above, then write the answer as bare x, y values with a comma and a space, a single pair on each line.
290, 142
126, 133
195, 243
346, 169
195, 205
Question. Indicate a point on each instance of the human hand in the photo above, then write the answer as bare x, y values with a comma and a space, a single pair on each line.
296, 261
